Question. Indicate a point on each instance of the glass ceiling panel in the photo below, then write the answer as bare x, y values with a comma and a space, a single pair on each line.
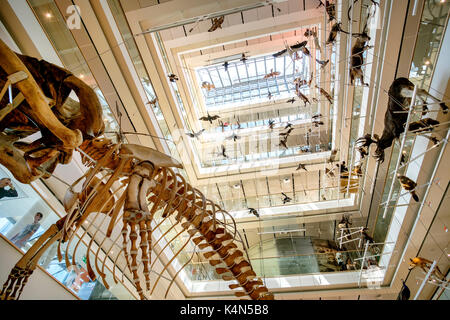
244, 82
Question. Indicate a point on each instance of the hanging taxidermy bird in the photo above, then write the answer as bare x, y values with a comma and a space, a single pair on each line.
223, 151
301, 95
283, 143
335, 28
408, 185
209, 118
243, 58
363, 152
254, 212
325, 94
301, 166
288, 125
271, 74
332, 157
223, 125
312, 33
329, 173
208, 86
233, 137
330, 8
216, 23
300, 82
172, 77
286, 198
195, 134
423, 125
153, 102
225, 65
292, 100
287, 133
317, 123
323, 63
271, 124
405, 293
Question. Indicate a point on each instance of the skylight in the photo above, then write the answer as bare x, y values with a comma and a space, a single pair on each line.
244, 83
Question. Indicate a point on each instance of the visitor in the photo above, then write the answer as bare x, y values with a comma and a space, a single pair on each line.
22, 237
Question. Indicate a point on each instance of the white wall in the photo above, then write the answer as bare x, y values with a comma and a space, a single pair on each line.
40, 285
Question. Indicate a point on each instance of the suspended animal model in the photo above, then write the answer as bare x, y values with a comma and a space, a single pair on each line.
301, 95
287, 133
400, 93
223, 125
357, 58
325, 94
404, 293
408, 185
225, 65
271, 74
425, 265
285, 199
330, 9
208, 86
128, 188
233, 137
300, 82
323, 63
351, 5
216, 23
335, 28
292, 100
173, 77
290, 50
195, 134
209, 118
254, 212
283, 143
313, 33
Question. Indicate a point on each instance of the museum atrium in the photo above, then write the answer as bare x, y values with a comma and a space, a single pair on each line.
273, 112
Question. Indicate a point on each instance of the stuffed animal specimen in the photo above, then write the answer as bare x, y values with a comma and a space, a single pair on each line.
301, 166
330, 9
425, 265
335, 28
233, 137
286, 199
400, 93
325, 94
195, 134
408, 185
209, 118
208, 86
216, 23
271, 74
172, 77
254, 212
405, 293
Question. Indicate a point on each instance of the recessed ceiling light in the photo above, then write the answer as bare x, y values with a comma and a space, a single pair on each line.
237, 186
48, 15
286, 180
427, 62
81, 76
